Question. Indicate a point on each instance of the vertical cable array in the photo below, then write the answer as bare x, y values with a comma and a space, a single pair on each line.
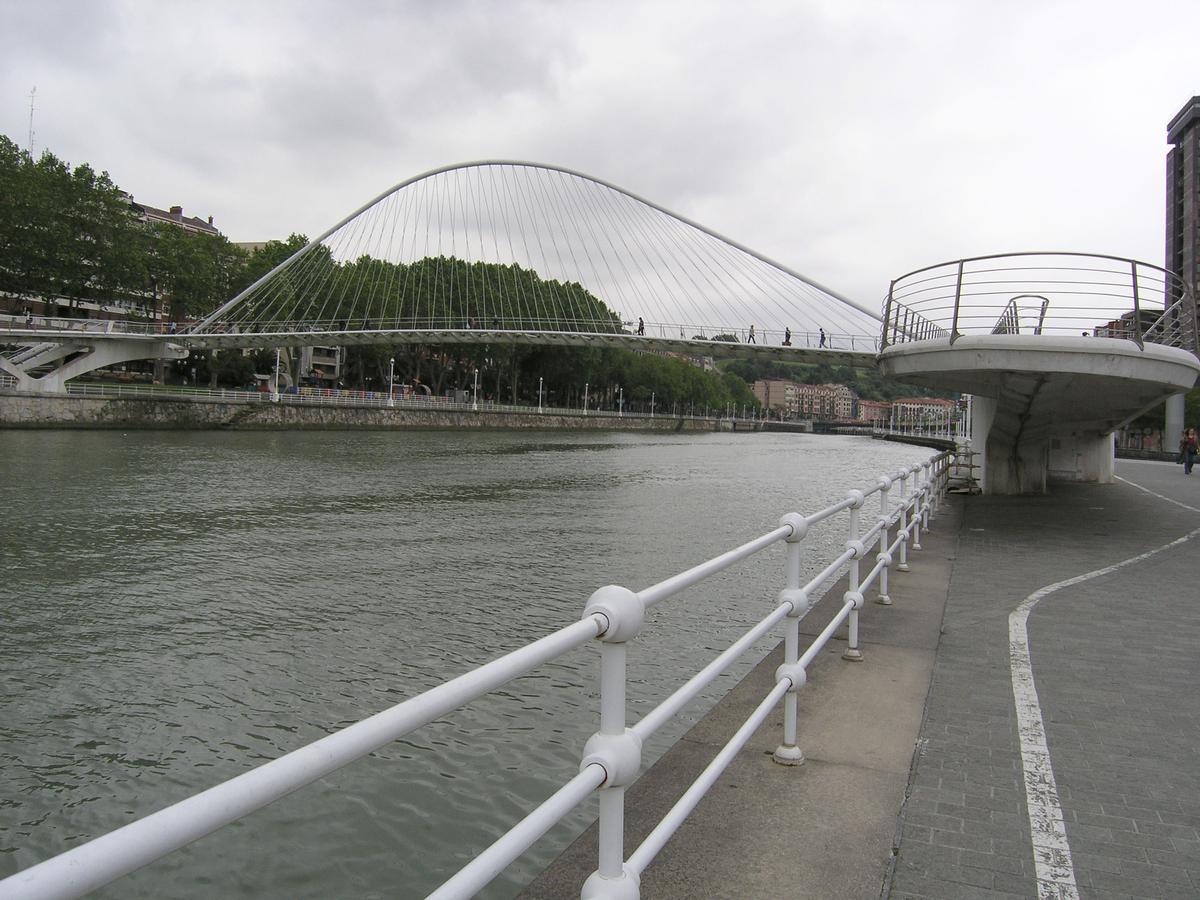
523, 247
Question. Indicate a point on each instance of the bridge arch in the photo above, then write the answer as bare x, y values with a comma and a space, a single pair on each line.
566, 228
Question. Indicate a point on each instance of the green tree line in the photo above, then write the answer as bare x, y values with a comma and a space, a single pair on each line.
71, 234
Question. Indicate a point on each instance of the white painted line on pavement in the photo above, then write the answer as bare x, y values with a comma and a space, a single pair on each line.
1053, 866
1152, 493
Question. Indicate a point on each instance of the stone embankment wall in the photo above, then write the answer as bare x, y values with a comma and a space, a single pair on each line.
44, 411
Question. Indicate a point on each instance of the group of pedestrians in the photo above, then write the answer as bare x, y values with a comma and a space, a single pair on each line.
1187, 450
787, 337
787, 334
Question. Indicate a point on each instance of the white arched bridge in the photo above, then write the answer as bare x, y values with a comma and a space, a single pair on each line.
498, 252
510, 252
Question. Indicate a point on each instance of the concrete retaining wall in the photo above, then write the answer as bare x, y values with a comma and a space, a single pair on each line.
47, 411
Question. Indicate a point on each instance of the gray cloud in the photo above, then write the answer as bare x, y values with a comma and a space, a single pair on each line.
853, 141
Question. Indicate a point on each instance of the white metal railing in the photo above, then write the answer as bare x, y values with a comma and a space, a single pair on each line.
956, 431
1050, 294
612, 756
329, 328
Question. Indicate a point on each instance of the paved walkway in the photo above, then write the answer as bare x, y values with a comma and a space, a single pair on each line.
1116, 663
1114, 666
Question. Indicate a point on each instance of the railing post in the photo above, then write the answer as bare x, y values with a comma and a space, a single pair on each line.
954, 332
885, 556
614, 747
1137, 309
930, 492
887, 316
789, 753
853, 651
918, 497
902, 566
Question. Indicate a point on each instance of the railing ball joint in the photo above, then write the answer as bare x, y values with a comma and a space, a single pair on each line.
620, 755
621, 607
797, 599
885, 559
855, 600
794, 673
856, 498
798, 524
858, 547
625, 887
884, 482
789, 753
903, 566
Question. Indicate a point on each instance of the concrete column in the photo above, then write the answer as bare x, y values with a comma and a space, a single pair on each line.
983, 411
1174, 425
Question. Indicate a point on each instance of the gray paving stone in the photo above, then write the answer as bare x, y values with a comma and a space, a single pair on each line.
1114, 663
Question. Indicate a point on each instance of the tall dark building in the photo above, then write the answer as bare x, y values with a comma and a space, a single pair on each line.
1183, 194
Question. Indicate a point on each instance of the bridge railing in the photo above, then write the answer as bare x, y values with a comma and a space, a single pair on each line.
611, 758
293, 331
1042, 293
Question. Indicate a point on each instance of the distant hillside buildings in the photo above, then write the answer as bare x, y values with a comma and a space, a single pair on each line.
791, 400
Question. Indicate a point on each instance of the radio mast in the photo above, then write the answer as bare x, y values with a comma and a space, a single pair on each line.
29, 146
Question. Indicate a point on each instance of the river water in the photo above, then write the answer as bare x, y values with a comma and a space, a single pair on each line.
180, 606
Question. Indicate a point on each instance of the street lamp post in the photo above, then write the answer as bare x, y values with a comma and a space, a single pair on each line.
275, 392
391, 381
539, 393
475, 393
652, 404
585, 397
620, 400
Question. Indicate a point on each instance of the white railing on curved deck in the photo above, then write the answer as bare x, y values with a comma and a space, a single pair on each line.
612, 757
1048, 294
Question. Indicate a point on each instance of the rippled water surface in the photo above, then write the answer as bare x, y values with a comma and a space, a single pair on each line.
179, 607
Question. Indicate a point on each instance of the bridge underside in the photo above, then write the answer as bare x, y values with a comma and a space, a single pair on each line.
1046, 407
44, 361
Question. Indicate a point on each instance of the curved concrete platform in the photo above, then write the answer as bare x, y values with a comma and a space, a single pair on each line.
1045, 406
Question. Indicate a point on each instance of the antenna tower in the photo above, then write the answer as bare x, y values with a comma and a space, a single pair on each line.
31, 96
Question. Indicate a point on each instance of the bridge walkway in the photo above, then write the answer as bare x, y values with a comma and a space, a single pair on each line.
1114, 664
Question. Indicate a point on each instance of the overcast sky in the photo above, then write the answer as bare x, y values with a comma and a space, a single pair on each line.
853, 141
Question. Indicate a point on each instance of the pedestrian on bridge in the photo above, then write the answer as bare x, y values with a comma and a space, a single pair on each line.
787, 337
750, 339
641, 327
822, 343
1187, 450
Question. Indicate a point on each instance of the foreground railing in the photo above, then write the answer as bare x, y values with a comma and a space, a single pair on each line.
1042, 293
612, 757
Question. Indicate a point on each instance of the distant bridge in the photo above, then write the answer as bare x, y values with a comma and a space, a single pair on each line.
1061, 348
497, 252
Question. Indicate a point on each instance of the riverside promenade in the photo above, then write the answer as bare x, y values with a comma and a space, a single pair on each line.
926, 766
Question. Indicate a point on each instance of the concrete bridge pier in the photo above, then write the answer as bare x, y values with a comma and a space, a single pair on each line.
1045, 408
1174, 421
1016, 462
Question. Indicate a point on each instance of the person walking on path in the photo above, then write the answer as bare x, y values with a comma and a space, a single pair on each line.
641, 327
822, 343
750, 339
787, 337
1187, 449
